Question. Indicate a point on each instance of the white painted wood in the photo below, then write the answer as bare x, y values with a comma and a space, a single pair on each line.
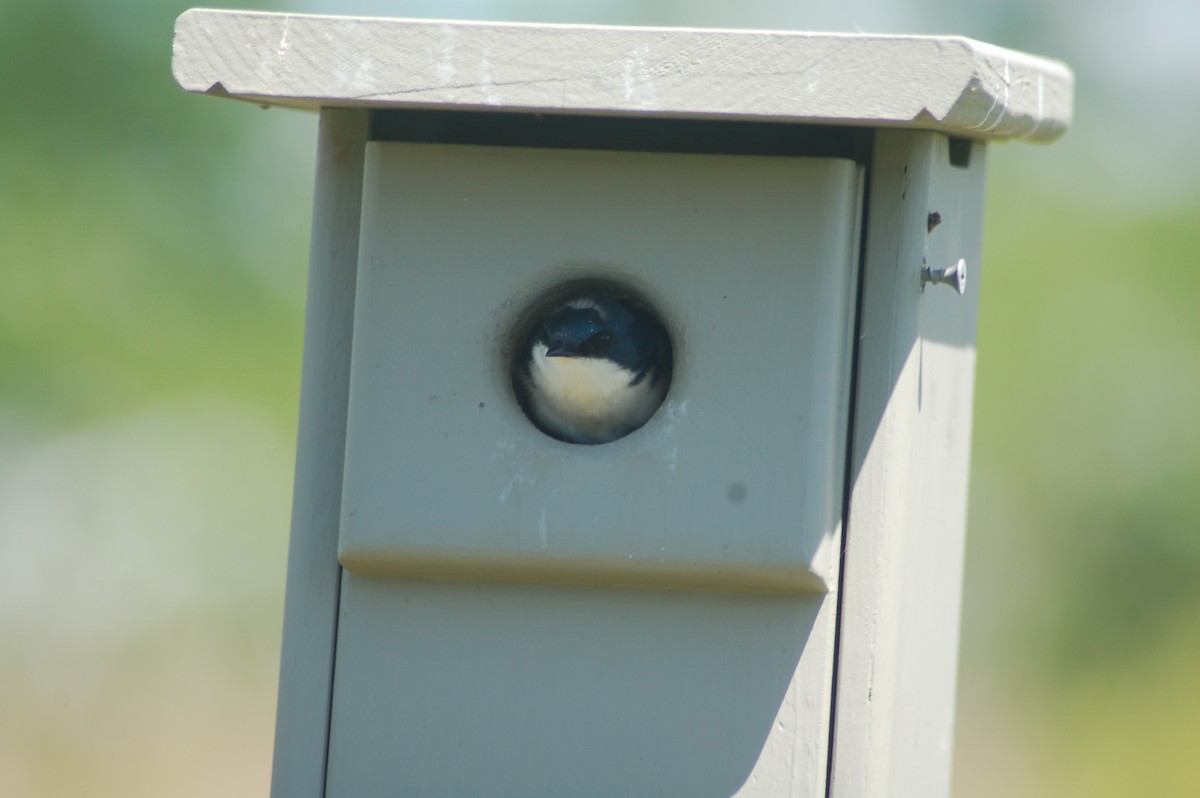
904, 540
735, 484
310, 610
950, 84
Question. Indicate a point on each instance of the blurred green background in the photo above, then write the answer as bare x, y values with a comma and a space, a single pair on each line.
154, 252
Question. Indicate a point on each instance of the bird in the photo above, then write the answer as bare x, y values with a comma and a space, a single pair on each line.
592, 368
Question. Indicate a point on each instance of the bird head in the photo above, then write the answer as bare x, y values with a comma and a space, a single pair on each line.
594, 368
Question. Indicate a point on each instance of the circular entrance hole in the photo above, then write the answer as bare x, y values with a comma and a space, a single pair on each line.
591, 362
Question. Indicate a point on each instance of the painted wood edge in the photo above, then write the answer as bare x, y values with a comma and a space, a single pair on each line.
950, 84
893, 724
313, 575
408, 562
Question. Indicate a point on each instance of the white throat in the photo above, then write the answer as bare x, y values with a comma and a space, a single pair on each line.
589, 398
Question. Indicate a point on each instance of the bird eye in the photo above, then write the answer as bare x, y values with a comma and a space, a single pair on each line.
597, 344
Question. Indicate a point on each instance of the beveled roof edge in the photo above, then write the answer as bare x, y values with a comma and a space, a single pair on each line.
951, 84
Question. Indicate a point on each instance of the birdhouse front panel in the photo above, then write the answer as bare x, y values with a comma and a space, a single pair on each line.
734, 482
489, 560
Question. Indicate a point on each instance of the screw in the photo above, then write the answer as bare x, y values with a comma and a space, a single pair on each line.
955, 276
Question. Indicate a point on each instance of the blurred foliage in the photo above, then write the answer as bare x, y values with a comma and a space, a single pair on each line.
1083, 568
150, 324
131, 271
1087, 396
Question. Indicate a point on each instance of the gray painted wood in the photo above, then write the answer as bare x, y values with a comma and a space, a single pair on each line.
735, 484
311, 605
475, 653
451, 688
951, 84
904, 541
453, 680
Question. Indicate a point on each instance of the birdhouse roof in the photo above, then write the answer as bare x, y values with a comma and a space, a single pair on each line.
950, 84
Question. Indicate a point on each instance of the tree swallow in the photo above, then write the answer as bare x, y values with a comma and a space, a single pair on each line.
593, 368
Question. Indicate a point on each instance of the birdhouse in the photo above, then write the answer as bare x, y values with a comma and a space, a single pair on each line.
636, 400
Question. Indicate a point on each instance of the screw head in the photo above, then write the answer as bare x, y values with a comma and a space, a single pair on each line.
954, 276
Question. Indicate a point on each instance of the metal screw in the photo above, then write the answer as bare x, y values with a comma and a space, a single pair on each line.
955, 276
